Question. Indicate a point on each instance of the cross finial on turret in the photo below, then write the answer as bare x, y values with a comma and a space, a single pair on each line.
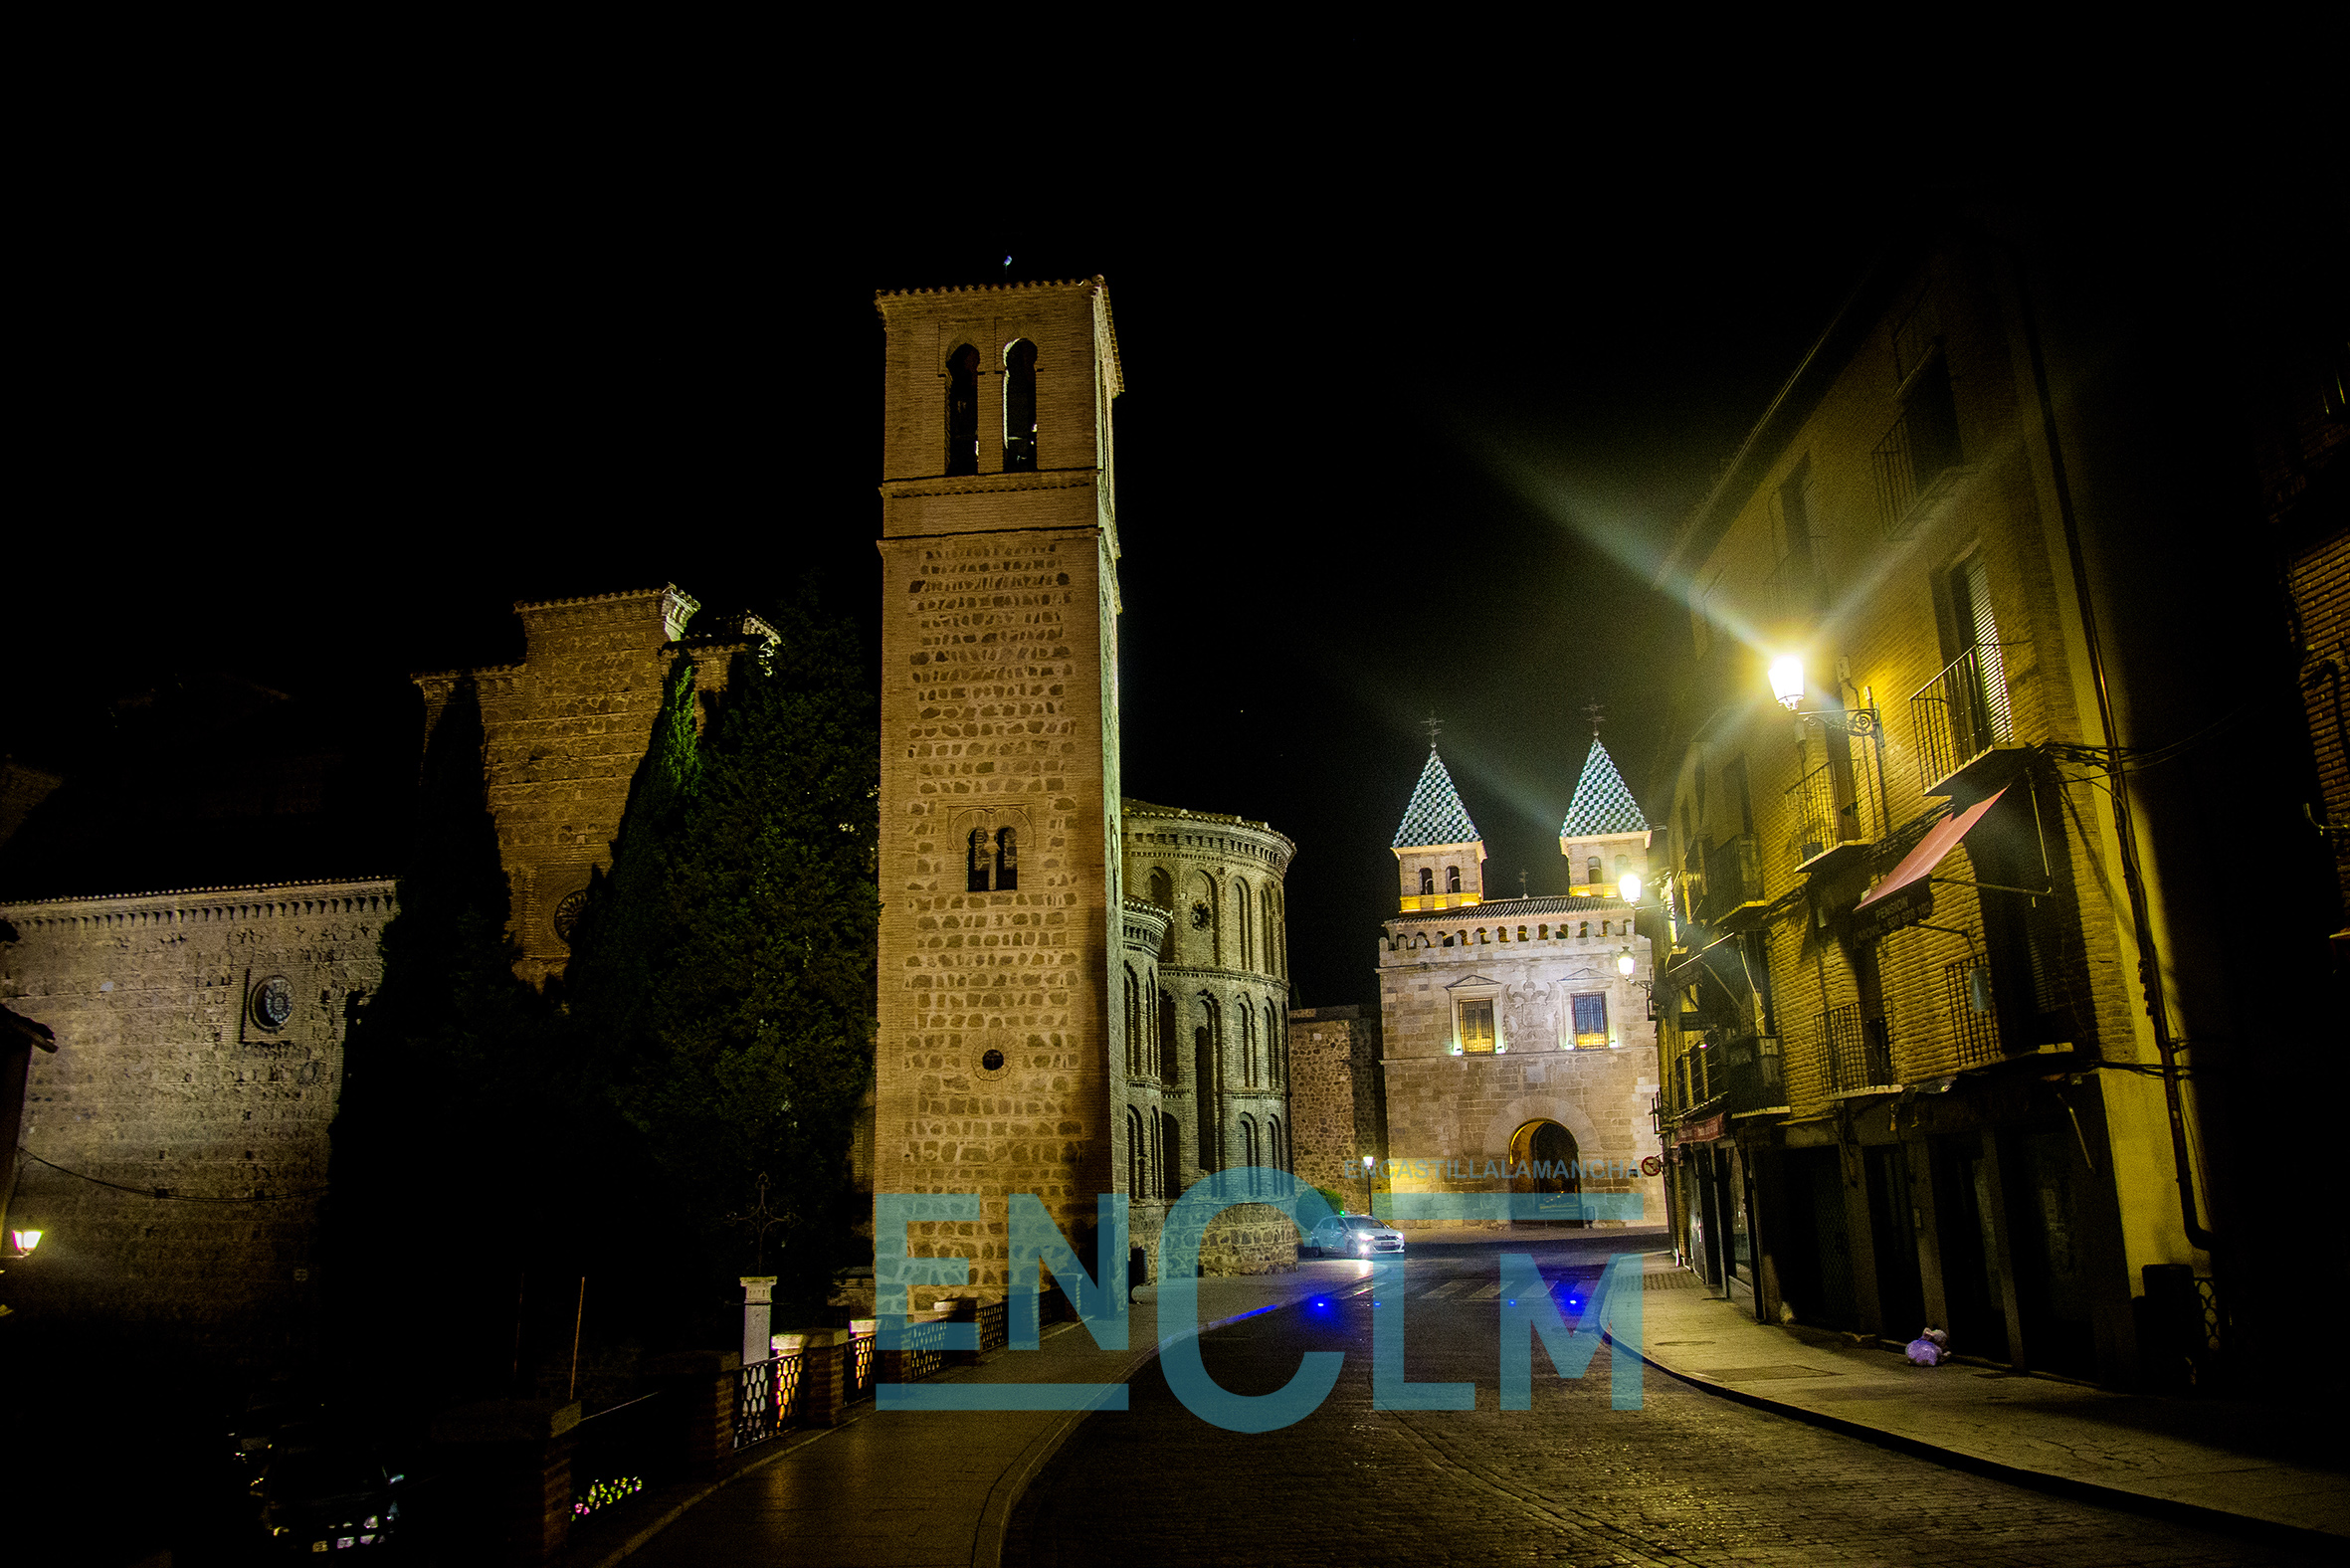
1522, 882
1595, 712
1433, 724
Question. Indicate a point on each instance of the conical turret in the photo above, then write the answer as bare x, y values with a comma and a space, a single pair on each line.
1439, 856
1605, 834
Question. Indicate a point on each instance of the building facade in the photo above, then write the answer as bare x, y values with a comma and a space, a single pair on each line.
1517, 1053
1950, 1028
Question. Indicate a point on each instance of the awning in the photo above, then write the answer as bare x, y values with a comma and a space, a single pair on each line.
1919, 862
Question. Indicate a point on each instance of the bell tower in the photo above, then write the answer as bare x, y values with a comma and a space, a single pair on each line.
999, 810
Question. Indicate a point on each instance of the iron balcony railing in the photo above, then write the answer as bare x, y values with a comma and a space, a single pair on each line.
1968, 1002
1751, 1076
1819, 820
1961, 714
1918, 458
1733, 877
1859, 1051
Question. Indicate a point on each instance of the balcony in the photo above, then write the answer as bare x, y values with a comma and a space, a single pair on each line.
1917, 462
1750, 1077
1859, 1054
1967, 1001
1961, 717
1733, 879
1828, 816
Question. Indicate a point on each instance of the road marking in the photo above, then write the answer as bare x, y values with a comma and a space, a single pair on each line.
1448, 1287
1488, 1293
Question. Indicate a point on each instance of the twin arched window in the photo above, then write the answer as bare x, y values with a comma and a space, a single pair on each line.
1451, 879
1020, 408
1426, 880
993, 863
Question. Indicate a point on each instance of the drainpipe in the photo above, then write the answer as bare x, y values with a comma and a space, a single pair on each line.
2132, 874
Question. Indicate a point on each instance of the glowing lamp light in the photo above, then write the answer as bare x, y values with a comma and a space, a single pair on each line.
25, 1241
1628, 886
1370, 1163
1625, 963
1787, 679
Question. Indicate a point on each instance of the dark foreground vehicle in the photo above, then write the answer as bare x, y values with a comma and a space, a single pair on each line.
325, 1500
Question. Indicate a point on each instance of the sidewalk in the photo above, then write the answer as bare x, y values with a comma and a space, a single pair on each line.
922, 1489
2214, 1463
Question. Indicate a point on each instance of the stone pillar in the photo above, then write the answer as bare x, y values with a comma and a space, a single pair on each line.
510, 1475
824, 1376
758, 1297
698, 1386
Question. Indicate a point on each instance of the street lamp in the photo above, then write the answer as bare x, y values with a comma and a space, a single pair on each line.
22, 1242
1787, 679
1370, 1163
1628, 886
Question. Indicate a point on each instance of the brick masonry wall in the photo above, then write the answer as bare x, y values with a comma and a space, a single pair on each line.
563, 734
1335, 1096
165, 1077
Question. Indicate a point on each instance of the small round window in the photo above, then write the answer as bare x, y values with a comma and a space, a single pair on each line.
273, 1002
993, 1061
567, 915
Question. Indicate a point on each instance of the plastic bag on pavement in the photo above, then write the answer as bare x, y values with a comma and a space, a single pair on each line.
1929, 1349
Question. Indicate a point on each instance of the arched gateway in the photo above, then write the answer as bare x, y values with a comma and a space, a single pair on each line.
1543, 1159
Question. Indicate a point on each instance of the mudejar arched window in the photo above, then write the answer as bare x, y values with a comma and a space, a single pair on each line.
962, 411
1135, 1152
1426, 880
1020, 408
977, 864
1592, 869
1451, 879
1007, 859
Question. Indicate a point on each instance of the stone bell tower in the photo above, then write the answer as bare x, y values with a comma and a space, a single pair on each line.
999, 810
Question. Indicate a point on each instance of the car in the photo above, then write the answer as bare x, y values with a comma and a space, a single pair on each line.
328, 1499
1354, 1236
263, 1416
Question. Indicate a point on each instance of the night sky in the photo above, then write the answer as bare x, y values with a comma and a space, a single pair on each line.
1377, 459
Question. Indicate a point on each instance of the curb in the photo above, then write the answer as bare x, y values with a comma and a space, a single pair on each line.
669, 1515
2268, 1531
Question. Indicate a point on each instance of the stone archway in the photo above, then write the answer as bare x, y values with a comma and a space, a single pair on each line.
1543, 1159
1537, 1153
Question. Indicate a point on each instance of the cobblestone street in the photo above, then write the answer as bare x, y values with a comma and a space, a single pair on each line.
1690, 1477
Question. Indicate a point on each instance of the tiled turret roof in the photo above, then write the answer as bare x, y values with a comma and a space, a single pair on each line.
1602, 804
1435, 815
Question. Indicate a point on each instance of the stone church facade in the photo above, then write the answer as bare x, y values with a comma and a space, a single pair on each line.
1512, 1036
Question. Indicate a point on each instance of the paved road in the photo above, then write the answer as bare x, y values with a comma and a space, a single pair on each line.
1688, 1479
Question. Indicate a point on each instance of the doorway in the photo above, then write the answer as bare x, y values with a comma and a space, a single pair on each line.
1544, 1160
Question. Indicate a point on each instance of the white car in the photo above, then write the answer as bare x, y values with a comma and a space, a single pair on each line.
1354, 1236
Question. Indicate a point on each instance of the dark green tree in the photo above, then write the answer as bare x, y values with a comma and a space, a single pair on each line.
722, 975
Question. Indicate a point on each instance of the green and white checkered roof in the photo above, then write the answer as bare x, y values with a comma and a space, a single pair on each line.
1602, 804
1435, 815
